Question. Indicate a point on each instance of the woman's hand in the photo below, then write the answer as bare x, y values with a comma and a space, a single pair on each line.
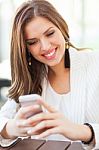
16, 127
44, 124
51, 122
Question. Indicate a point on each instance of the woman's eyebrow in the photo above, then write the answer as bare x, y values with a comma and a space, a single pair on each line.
31, 39
47, 30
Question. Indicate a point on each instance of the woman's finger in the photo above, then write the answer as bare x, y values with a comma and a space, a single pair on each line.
25, 111
47, 106
40, 117
48, 133
43, 125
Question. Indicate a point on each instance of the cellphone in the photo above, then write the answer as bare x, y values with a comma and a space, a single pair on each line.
31, 99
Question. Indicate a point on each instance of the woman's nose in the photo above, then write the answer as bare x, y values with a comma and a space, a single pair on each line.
45, 45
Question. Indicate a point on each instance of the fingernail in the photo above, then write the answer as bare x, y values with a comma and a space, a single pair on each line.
29, 131
36, 106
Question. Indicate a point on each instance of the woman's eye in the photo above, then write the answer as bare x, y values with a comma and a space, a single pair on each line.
31, 43
50, 33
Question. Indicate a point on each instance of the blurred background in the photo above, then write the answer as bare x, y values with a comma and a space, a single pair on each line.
80, 15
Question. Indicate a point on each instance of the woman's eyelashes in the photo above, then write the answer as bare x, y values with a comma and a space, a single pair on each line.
33, 42
50, 33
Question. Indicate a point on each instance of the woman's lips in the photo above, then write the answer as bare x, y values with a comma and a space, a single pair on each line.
50, 55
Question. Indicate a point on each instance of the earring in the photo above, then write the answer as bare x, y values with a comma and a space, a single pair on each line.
29, 59
66, 44
67, 57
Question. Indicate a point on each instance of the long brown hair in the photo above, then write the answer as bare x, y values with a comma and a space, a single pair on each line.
28, 79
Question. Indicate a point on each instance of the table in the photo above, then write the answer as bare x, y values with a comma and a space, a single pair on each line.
31, 144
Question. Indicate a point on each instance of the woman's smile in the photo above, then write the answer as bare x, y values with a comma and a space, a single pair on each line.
50, 55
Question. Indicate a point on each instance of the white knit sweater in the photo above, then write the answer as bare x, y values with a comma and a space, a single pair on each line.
82, 104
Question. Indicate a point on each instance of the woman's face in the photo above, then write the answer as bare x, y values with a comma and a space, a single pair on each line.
45, 41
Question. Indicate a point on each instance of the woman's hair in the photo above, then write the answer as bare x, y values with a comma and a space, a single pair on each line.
28, 79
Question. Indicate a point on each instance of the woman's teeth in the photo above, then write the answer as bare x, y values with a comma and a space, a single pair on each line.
50, 54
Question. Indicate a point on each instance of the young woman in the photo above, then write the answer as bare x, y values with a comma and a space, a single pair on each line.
44, 61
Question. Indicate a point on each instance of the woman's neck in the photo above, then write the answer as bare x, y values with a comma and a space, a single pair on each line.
59, 78
60, 81
58, 70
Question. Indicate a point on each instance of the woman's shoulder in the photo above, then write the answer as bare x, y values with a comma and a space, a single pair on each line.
10, 104
90, 55
92, 60
93, 56
85, 58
